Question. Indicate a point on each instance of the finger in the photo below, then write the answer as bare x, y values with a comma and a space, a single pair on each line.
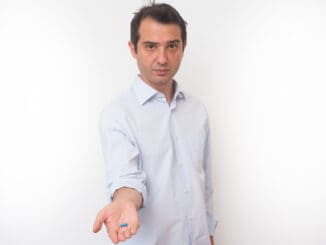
134, 229
98, 222
134, 226
127, 232
113, 236
113, 233
121, 235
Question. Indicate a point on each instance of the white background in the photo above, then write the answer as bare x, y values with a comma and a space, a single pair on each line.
259, 67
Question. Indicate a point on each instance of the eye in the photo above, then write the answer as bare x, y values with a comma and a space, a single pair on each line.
150, 46
173, 45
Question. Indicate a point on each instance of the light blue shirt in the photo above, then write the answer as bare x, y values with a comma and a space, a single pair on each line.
163, 151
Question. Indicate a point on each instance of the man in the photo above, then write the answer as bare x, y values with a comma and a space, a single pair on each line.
156, 145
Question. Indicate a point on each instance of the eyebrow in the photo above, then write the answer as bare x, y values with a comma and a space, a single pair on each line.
149, 42
171, 41
174, 41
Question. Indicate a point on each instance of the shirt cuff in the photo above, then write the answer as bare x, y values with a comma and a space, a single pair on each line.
212, 224
133, 184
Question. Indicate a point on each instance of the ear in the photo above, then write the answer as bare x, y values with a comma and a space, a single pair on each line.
132, 49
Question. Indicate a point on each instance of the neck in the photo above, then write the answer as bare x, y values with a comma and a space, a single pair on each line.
167, 89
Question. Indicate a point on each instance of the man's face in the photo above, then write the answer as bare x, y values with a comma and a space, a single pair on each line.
159, 52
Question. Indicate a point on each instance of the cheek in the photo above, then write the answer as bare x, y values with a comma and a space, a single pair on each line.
142, 63
147, 61
176, 60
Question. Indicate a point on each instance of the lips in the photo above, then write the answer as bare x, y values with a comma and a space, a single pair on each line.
161, 72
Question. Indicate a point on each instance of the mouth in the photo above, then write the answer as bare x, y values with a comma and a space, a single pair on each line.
160, 72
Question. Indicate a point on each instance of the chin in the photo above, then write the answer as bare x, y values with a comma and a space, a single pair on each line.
161, 82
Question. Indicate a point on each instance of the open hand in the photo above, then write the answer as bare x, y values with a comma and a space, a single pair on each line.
114, 214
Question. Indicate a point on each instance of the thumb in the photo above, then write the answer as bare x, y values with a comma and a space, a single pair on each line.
98, 223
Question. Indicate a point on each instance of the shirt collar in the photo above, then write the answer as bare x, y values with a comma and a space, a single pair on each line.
144, 92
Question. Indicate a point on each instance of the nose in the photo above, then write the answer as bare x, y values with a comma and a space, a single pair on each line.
162, 57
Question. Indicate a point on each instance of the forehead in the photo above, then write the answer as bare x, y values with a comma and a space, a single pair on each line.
151, 30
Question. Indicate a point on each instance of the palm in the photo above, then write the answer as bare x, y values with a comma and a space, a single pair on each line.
117, 213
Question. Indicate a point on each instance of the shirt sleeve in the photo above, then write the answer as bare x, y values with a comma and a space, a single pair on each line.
121, 155
211, 221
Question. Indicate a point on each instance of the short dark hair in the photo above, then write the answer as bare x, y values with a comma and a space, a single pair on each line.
162, 13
